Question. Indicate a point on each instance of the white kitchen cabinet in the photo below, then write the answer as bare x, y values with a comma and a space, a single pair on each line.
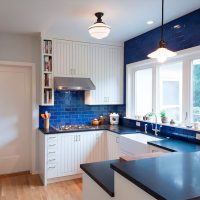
96, 72
106, 72
81, 59
61, 154
81, 147
71, 59
62, 62
113, 74
102, 63
113, 146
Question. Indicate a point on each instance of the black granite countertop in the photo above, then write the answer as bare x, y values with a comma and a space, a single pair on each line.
176, 145
173, 176
113, 128
102, 174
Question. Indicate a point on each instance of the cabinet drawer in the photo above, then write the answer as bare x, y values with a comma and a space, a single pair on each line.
52, 160
51, 153
52, 171
52, 144
51, 138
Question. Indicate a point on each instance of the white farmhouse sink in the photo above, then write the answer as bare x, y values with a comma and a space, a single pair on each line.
131, 144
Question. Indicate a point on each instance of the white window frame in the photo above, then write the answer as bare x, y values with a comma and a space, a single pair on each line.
184, 56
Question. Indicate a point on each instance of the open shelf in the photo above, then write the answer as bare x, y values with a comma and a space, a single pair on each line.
47, 89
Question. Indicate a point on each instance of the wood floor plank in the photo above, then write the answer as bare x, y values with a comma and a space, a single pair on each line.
29, 187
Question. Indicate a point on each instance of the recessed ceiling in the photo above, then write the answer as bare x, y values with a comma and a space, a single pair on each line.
71, 18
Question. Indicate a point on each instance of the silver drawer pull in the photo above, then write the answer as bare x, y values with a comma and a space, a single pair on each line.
52, 145
52, 167
52, 152
52, 159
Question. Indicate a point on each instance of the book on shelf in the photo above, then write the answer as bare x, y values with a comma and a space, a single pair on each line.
47, 96
47, 63
48, 46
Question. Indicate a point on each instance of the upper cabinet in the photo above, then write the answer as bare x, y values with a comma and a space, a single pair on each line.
106, 72
62, 51
71, 59
102, 63
81, 59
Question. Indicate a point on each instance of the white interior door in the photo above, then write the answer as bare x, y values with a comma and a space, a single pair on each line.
15, 119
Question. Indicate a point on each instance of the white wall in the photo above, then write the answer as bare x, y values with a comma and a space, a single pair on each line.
22, 48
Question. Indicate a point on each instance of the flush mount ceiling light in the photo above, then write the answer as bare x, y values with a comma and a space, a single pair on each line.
99, 29
150, 22
162, 53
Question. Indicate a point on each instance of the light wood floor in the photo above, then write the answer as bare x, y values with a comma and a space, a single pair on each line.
29, 187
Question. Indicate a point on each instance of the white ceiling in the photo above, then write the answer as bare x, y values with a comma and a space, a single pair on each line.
71, 18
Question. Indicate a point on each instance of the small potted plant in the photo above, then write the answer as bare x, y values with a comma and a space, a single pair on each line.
163, 117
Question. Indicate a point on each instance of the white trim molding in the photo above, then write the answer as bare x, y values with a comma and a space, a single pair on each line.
35, 108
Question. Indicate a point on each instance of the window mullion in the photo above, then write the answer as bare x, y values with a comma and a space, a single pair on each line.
186, 95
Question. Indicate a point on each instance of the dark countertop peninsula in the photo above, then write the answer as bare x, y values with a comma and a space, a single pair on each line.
182, 167
176, 145
102, 174
173, 176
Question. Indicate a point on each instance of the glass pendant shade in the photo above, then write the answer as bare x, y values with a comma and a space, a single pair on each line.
99, 30
161, 54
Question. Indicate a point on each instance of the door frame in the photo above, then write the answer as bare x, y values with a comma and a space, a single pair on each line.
35, 108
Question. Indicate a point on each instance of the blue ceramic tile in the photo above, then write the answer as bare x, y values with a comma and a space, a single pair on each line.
69, 108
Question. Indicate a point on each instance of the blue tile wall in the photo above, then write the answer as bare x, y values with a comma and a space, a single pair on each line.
187, 36
137, 49
166, 131
69, 108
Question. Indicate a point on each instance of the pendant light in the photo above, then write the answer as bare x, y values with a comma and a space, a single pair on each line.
162, 53
99, 29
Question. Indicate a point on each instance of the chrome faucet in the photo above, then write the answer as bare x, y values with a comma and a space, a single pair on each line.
156, 129
145, 128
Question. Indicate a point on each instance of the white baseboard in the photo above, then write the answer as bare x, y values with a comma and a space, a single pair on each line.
64, 178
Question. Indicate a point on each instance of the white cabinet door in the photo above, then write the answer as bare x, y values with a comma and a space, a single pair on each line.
113, 75
106, 72
113, 145
79, 148
100, 150
81, 59
70, 154
62, 54
96, 73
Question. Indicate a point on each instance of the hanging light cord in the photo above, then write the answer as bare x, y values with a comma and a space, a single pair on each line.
162, 42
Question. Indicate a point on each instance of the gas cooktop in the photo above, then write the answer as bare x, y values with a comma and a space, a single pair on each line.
75, 127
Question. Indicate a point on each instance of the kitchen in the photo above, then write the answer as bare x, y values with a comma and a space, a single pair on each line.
103, 100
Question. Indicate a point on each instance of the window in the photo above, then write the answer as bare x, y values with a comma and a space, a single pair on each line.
173, 87
196, 90
143, 91
170, 91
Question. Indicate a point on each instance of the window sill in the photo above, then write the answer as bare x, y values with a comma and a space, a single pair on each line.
165, 124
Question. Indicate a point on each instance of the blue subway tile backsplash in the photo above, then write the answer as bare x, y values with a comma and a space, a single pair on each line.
166, 130
69, 108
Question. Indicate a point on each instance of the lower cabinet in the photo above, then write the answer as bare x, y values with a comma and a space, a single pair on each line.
61, 154
83, 147
113, 149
